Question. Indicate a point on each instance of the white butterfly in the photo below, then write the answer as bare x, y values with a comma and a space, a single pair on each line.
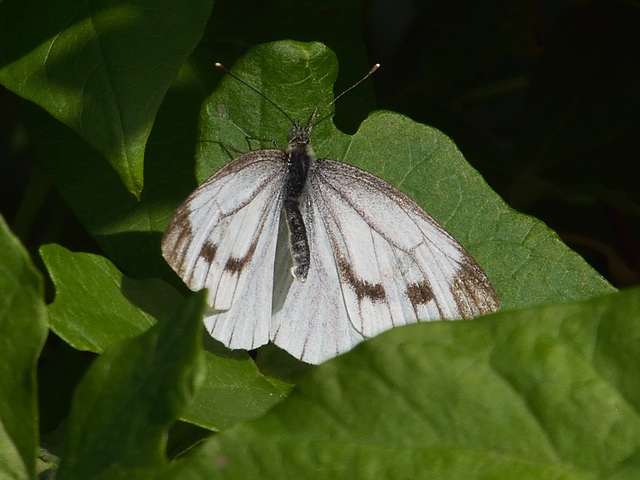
316, 255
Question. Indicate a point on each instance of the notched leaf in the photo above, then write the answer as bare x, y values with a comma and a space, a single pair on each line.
96, 306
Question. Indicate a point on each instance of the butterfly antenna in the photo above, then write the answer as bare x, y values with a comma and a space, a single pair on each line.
317, 114
228, 72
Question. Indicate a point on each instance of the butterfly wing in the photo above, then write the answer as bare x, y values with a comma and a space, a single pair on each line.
378, 260
223, 237
396, 264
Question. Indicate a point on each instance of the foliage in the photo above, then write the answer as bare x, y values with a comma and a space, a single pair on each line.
126, 114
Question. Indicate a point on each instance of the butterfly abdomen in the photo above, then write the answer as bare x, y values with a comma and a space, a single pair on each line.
298, 163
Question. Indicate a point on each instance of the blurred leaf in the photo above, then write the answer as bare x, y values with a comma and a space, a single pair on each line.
525, 260
548, 392
102, 69
23, 330
130, 396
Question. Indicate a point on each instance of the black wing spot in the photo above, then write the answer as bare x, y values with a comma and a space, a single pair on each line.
363, 288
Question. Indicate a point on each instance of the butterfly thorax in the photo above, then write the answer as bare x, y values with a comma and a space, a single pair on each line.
300, 155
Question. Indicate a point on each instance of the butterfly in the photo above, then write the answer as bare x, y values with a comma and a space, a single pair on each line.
316, 255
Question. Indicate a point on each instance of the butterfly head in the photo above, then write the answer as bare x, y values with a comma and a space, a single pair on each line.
299, 135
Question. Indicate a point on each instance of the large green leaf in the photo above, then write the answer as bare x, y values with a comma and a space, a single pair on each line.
525, 260
97, 307
125, 404
23, 329
101, 68
547, 392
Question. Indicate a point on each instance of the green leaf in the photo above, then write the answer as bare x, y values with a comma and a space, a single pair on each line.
548, 392
234, 391
97, 308
125, 404
526, 262
102, 69
23, 330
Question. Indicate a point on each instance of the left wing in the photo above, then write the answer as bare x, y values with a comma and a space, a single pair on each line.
223, 237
